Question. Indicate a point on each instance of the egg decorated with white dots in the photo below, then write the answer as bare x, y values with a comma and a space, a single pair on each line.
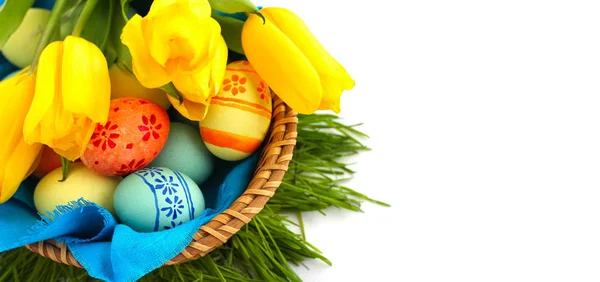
156, 199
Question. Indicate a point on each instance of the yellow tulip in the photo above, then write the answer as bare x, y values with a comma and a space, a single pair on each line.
17, 158
178, 42
72, 95
210, 79
293, 62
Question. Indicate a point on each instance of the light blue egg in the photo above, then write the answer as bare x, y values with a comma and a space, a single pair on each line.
157, 198
185, 152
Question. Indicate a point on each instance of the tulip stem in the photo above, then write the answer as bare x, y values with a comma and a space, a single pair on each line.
84, 16
66, 168
53, 23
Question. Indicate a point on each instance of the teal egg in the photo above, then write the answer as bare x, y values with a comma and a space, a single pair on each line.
156, 199
185, 152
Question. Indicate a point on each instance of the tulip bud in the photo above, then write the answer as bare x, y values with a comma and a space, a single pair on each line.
178, 42
68, 102
293, 62
17, 158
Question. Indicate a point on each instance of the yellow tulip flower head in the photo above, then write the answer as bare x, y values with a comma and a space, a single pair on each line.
17, 158
179, 42
293, 62
72, 95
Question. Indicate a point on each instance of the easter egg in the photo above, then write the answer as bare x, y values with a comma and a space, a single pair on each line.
136, 131
185, 152
49, 161
80, 183
22, 44
123, 84
239, 116
157, 198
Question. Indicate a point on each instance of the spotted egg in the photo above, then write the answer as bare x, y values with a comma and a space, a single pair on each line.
135, 133
239, 116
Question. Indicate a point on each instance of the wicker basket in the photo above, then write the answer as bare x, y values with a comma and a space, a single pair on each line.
269, 173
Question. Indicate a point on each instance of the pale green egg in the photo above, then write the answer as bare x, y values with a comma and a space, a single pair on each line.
50, 192
22, 44
185, 152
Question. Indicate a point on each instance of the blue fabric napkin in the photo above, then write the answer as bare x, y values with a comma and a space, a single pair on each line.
111, 251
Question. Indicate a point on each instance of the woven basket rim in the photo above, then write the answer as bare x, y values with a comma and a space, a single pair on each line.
271, 168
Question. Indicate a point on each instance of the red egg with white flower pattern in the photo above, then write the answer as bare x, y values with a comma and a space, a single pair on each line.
135, 133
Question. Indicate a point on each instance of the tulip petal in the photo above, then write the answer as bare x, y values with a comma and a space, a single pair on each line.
282, 65
297, 31
16, 94
219, 65
157, 5
178, 39
85, 80
45, 92
55, 122
19, 166
190, 110
146, 69
200, 86
332, 92
73, 145
211, 30
17, 158
194, 87
201, 8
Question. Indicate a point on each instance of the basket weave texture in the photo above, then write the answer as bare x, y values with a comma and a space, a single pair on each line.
271, 168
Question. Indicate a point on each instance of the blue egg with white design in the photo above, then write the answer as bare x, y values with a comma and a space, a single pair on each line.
156, 199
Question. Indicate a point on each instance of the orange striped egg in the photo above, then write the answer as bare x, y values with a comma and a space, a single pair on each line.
239, 116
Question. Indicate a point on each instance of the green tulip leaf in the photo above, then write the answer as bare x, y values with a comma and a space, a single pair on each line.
12, 13
97, 28
173, 92
233, 6
111, 55
69, 17
231, 29
125, 9
117, 52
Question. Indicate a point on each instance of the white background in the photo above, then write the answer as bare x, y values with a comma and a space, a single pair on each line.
484, 119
